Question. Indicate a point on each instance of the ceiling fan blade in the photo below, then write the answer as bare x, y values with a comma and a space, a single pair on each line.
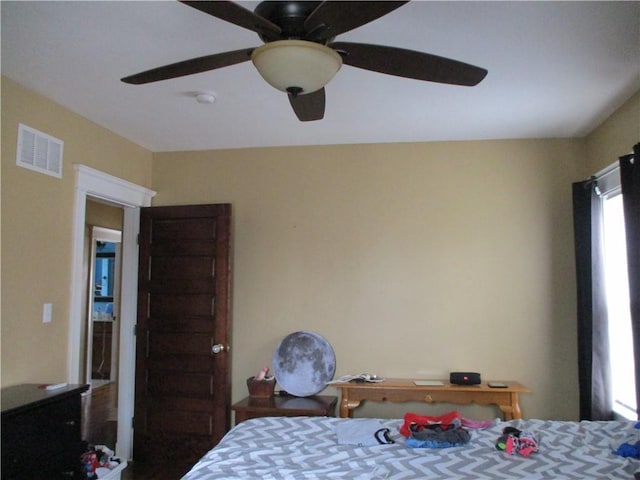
409, 63
308, 107
189, 67
332, 18
238, 15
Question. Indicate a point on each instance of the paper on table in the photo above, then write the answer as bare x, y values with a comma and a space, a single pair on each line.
428, 383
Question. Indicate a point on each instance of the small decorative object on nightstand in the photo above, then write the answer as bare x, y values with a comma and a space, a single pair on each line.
261, 388
285, 406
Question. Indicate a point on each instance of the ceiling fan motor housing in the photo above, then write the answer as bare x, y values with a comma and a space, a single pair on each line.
289, 16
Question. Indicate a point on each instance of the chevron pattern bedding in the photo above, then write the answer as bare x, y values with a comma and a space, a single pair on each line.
295, 448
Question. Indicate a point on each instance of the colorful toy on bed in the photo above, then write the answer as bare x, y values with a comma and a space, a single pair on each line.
514, 440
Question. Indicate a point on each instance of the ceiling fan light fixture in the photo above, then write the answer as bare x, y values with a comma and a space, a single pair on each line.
296, 64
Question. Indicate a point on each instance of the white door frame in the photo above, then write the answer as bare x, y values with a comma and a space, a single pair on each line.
94, 183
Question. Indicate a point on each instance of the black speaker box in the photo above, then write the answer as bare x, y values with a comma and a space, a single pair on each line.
464, 378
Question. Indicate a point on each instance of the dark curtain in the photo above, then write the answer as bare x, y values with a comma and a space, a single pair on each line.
593, 339
630, 184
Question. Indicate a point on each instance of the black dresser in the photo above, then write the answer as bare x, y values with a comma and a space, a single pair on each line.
41, 432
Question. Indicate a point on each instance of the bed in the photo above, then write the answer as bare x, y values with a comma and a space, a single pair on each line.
272, 448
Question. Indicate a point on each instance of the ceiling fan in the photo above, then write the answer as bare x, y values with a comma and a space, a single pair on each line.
300, 56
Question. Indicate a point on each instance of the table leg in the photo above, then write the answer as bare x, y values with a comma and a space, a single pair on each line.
512, 410
515, 405
347, 406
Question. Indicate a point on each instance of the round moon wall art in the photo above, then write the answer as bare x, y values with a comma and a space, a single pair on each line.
303, 363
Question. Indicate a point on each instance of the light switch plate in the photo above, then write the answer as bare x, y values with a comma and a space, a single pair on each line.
46, 312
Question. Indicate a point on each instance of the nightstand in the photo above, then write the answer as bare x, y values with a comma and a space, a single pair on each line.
285, 406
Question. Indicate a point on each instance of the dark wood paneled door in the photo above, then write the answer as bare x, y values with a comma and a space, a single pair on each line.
183, 331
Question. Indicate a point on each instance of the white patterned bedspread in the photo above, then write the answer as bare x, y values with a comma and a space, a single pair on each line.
306, 448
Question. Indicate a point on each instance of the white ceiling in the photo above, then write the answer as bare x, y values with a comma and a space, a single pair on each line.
556, 69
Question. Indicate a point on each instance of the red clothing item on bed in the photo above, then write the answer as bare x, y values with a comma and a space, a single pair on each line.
424, 420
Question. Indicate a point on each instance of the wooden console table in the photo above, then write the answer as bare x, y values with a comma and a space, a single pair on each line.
404, 390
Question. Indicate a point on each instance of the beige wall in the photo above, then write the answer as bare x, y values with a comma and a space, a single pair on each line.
100, 214
411, 259
37, 215
615, 137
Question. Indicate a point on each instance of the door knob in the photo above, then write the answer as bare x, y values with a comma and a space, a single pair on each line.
218, 347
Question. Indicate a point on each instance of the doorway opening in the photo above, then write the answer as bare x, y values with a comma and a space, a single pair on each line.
94, 184
103, 306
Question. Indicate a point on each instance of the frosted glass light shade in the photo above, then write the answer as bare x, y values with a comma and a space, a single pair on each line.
300, 64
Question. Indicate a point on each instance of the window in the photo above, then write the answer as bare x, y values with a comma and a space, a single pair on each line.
617, 292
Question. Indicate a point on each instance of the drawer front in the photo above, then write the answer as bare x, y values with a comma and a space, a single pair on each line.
44, 442
61, 427
241, 416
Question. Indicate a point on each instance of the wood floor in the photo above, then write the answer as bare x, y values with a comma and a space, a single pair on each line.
99, 427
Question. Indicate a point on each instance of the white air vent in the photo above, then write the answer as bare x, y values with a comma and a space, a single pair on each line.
39, 151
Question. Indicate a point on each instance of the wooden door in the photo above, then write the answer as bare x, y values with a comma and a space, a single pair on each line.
182, 386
